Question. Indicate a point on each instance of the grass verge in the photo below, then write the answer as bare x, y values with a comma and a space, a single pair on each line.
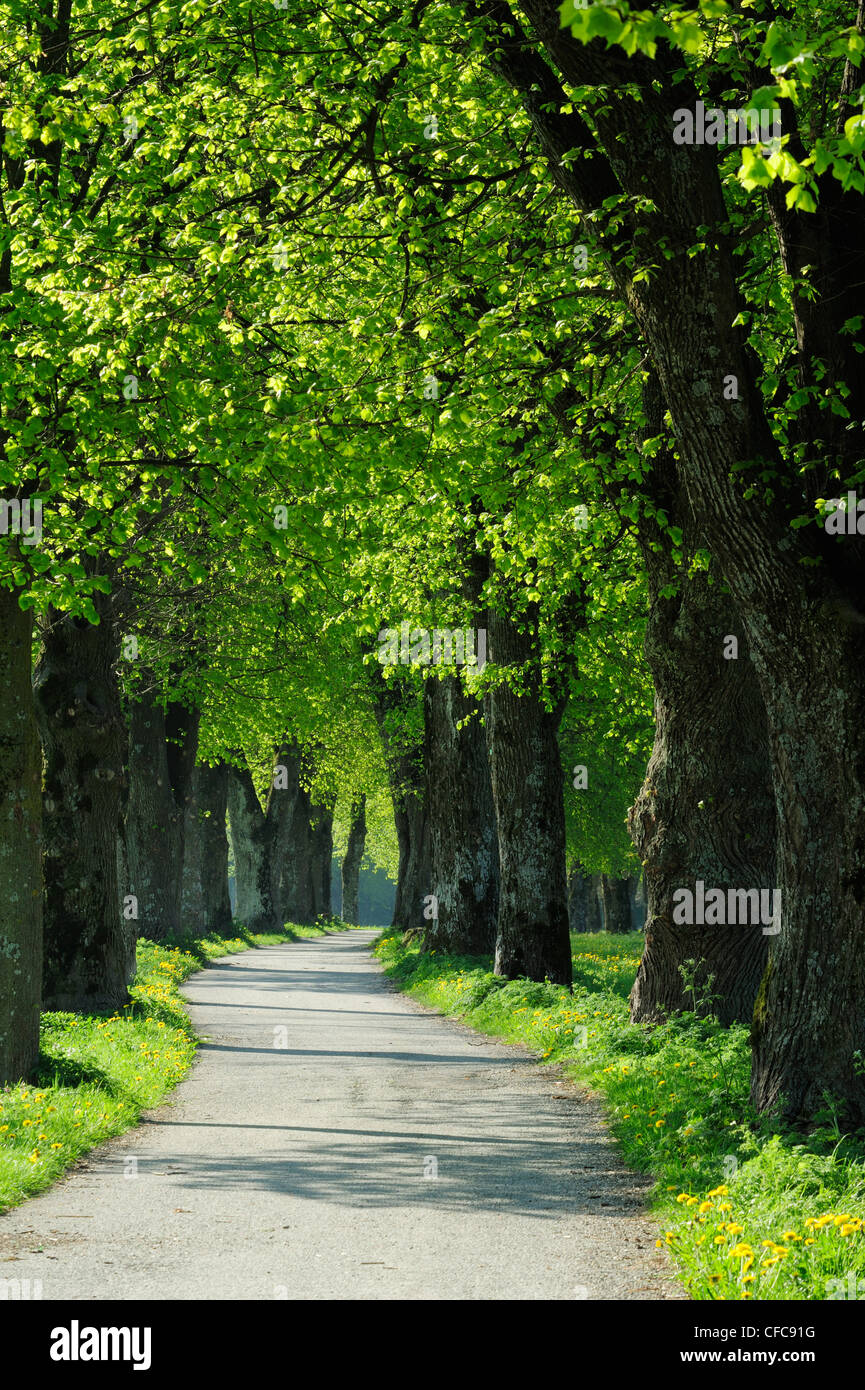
749, 1209
97, 1072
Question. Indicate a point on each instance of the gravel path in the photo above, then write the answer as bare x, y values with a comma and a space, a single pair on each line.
297, 1161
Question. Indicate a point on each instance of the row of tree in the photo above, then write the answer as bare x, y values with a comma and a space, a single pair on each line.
318, 323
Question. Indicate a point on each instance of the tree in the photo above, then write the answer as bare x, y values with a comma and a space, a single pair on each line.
89, 946
706, 809
463, 837
20, 799
351, 860
532, 935
753, 476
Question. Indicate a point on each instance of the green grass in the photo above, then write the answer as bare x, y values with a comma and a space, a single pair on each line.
98, 1072
749, 1209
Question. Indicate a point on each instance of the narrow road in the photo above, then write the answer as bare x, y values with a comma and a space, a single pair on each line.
336, 1140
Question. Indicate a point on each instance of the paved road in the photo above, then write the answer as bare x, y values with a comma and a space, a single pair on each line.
297, 1163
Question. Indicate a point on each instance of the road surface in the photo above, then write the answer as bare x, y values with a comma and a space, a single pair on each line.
336, 1140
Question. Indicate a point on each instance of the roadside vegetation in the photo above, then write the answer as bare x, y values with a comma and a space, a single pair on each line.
749, 1208
98, 1072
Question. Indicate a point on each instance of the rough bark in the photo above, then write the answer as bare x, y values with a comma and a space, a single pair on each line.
532, 935
617, 904
463, 836
20, 848
706, 808
212, 805
289, 815
251, 840
395, 707
162, 749
321, 860
578, 892
192, 890
350, 869
89, 949
705, 811
594, 898
412, 828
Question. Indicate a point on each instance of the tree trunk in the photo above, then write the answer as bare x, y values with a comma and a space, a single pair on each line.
321, 860
288, 813
578, 892
638, 901
89, 949
192, 891
162, 749
617, 904
350, 872
251, 839
21, 848
463, 837
395, 706
808, 1022
532, 933
414, 874
705, 811
594, 899
212, 803
706, 808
